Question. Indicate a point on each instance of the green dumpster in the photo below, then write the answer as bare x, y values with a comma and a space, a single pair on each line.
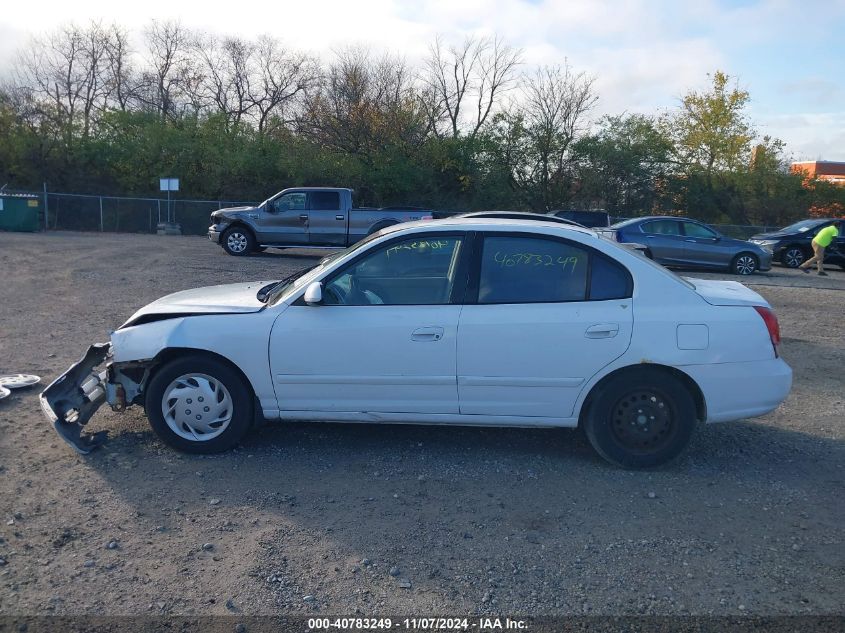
19, 212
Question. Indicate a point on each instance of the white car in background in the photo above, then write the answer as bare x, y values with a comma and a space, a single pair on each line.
462, 321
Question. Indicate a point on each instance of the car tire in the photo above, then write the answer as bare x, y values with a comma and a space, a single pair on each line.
641, 419
199, 404
745, 264
793, 256
238, 241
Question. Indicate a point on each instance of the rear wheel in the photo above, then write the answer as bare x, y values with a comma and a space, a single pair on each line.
199, 404
641, 419
793, 257
238, 241
744, 264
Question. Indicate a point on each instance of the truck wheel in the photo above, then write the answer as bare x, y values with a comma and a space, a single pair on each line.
198, 404
238, 241
380, 225
641, 419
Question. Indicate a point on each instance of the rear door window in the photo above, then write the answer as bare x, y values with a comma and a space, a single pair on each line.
325, 200
691, 229
523, 269
662, 227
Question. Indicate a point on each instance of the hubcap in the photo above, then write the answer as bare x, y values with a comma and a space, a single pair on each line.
746, 265
642, 421
237, 242
197, 407
794, 257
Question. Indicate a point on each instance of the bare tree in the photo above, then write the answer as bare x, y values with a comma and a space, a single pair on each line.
281, 78
362, 105
171, 76
225, 72
121, 76
467, 81
65, 72
95, 88
541, 130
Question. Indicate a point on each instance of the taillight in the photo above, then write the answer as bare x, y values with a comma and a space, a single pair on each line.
772, 326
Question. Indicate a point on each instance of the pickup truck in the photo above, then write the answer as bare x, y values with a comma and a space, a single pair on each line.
314, 217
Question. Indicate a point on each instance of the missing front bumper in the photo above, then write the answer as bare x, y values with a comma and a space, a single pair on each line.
70, 400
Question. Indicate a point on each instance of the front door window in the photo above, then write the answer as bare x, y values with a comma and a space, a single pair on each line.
417, 271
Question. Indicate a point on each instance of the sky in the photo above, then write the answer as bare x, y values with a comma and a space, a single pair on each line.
644, 54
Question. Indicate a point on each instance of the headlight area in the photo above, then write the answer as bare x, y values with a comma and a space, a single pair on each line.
766, 245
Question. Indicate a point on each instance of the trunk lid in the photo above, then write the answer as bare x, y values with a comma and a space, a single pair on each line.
726, 293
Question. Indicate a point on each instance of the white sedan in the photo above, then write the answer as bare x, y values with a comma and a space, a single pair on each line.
464, 321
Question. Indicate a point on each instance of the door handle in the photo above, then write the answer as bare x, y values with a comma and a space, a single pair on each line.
339, 217
602, 330
430, 333
303, 216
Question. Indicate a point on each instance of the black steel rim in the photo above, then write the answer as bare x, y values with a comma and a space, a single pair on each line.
643, 421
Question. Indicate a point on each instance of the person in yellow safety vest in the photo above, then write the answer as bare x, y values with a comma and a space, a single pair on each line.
820, 242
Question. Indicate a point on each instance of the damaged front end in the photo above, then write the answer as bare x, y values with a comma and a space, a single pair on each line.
71, 399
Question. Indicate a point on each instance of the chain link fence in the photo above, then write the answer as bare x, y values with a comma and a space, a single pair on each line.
121, 214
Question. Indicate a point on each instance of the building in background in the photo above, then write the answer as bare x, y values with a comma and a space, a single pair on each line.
827, 170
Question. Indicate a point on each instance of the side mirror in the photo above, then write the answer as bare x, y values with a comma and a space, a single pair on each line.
314, 293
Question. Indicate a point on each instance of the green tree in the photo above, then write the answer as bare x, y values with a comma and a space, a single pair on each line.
623, 166
711, 130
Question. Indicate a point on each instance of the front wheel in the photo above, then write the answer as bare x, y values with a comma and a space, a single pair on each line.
237, 241
198, 404
793, 257
744, 264
641, 419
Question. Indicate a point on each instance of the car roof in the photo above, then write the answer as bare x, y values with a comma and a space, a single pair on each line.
480, 224
518, 215
664, 217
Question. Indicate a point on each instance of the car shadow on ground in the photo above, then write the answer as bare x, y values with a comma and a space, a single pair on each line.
437, 502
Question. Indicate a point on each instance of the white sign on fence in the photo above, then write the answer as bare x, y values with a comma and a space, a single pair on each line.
168, 184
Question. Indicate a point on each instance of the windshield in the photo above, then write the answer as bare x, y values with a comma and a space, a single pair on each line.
802, 226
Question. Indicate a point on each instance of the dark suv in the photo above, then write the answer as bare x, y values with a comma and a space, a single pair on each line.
592, 219
791, 246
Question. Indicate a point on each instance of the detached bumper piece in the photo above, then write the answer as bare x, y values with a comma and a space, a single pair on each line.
70, 400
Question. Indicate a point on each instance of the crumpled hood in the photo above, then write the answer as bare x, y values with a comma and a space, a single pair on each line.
226, 299
229, 212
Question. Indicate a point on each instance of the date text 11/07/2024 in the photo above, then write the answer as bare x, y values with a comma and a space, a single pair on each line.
417, 624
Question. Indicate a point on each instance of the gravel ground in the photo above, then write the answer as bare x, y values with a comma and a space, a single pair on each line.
360, 519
